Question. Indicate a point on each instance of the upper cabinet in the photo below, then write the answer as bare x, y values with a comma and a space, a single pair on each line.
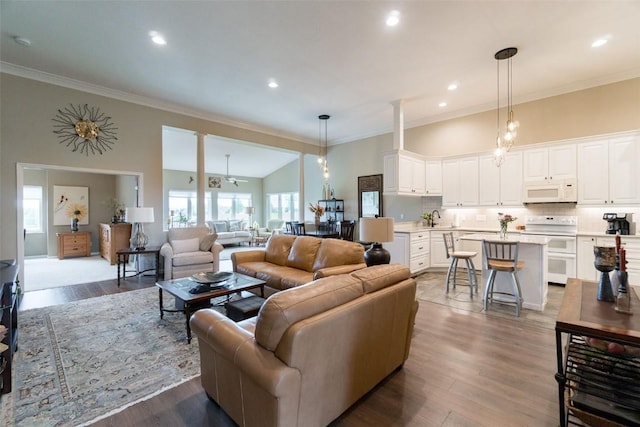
608, 172
500, 186
460, 182
404, 173
550, 163
433, 177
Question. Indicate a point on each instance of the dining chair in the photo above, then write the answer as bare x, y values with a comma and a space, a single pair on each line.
289, 226
472, 279
502, 257
298, 228
346, 230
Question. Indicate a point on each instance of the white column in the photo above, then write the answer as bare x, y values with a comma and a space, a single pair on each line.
200, 180
398, 124
301, 185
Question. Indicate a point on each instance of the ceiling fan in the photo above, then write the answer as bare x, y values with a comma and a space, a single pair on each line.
230, 179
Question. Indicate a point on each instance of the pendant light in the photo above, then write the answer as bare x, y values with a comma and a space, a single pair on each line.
506, 141
322, 160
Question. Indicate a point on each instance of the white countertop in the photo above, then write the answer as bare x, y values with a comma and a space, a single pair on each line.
511, 237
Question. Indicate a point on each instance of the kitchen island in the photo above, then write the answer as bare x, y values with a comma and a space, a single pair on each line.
532, 277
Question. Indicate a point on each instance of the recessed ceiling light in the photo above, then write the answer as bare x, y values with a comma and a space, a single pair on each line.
22, 41
393, 18
599, 42
442, 104
273, 84
157, 38
453, 86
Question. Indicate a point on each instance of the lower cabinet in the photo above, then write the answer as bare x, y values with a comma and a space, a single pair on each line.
410, 249
438, 252
74, 244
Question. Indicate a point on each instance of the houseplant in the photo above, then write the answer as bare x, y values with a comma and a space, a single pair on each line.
505, 219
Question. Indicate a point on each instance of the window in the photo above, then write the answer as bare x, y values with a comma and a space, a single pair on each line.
231, 206
183, 207
283, 206
32, 209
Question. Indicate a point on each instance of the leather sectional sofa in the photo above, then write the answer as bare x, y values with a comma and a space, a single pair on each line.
288, 261
312, 351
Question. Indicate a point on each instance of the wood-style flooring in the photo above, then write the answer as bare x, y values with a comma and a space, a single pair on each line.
465, 369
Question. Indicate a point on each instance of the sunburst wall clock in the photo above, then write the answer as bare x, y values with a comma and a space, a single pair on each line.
85, 129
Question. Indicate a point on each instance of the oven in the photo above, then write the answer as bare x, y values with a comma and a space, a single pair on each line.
561, 250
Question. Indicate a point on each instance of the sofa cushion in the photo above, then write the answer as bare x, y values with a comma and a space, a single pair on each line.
220, 226
303, 252
334, 252
284, 309
380, 276
235, 225
275, 276
185, 245
192, 258
277, 248
207, 241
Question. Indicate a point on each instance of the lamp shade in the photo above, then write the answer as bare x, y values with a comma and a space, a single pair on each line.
249, 210
140, 215
376, 229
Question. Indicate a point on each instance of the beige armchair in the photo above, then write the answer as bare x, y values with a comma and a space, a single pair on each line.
190, 250
274, 226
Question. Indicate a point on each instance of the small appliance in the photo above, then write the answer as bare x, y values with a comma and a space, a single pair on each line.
616, 223
556, 191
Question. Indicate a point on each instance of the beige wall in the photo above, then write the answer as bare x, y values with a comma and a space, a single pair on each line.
26, 136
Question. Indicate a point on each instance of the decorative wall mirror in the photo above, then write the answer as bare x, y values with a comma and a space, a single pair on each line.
369, 196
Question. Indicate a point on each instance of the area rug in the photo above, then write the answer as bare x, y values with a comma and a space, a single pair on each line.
431, 288
84, 360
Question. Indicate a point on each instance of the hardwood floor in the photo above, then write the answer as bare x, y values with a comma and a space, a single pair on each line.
465, 369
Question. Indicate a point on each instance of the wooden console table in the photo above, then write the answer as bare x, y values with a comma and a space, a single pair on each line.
77, 243
596, 386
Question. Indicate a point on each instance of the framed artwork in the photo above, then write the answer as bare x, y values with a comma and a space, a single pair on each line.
215, 182
69, 203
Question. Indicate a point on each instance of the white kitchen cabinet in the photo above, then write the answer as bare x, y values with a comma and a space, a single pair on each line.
410, 249
608, 172
460, 182
438, 252
585, 258
550, 163
500, 186
404, 173
433, 174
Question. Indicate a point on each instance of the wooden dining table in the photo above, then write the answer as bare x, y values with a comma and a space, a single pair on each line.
322, 234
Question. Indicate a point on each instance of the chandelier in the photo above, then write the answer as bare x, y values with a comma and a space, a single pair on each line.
322, 159
505, 141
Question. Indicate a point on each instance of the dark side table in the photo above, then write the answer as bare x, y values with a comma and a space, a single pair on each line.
122, 255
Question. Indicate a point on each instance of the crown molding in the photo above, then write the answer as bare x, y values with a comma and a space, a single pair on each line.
32, 74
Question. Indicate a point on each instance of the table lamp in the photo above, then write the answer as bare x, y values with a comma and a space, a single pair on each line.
249, 210
376, 230
139, 216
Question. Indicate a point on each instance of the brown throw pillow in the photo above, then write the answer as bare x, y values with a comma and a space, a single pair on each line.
207, 241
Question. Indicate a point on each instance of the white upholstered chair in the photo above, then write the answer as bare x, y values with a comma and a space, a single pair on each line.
274, 226
190, 250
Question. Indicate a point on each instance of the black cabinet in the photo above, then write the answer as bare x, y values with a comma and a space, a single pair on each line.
9, 301
333, 210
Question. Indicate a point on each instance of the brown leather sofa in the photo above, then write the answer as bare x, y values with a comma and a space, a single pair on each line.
288, 261
312, 351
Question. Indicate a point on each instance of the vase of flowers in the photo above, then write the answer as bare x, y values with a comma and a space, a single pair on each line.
318, 211
505, 219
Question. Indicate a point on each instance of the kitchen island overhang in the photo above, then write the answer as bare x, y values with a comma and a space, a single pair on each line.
532, 277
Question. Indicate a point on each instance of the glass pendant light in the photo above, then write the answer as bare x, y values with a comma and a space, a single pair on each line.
504, 143
322, 161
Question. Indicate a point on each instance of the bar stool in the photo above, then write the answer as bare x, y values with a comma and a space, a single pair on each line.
453, 266
502, 256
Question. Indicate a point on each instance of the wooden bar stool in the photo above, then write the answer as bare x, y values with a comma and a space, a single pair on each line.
502, 256
453, 266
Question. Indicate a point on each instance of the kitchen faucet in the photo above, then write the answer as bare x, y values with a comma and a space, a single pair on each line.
433, 216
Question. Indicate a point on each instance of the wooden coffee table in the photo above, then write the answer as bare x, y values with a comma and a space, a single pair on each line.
179, 288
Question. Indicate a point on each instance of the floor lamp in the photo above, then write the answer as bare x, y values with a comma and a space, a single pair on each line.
139, 216
376, 230
250, 210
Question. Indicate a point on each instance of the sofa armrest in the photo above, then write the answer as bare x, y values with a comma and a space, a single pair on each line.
247, 256
338, 269
167, 254
216, 248
238, 345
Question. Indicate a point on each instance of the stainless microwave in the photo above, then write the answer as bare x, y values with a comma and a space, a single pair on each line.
560, 191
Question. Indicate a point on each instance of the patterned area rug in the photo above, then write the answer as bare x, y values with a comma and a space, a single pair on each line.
81, 361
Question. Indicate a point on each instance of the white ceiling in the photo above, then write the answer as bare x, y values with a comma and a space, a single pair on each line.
330, 57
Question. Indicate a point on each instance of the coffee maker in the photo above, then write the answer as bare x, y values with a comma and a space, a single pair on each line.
616, 223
